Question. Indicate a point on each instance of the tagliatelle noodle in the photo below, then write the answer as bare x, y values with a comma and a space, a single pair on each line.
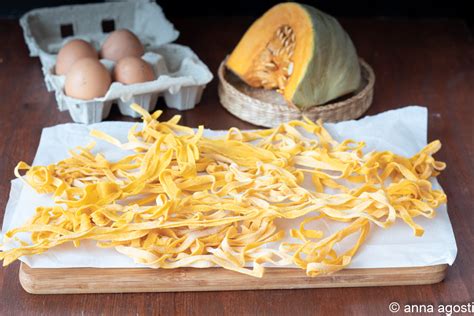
186, 200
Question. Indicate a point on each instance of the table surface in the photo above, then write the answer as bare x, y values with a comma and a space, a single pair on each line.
424, 62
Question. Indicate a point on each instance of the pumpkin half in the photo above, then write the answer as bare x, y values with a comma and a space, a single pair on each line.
301, 52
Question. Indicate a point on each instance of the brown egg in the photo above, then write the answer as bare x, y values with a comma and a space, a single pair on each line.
72, 52
131, 70
120, 44
87, 79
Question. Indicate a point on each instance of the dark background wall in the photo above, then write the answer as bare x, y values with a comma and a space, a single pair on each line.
361, 8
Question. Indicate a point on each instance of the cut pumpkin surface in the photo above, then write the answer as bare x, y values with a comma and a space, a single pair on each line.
299, 51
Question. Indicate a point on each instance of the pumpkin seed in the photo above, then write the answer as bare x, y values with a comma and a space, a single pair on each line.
274, 64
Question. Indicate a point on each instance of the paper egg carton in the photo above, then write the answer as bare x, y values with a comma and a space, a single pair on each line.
180, 76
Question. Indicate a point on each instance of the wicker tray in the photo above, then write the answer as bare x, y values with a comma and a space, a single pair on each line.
268, 108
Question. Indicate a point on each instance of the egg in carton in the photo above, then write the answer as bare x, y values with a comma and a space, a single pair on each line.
180, 77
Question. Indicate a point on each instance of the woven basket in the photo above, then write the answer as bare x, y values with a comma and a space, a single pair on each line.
268, 108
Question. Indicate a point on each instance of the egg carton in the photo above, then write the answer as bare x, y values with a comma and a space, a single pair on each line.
181, 78
180, 75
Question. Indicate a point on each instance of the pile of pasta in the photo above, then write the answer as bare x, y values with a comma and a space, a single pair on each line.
181, 199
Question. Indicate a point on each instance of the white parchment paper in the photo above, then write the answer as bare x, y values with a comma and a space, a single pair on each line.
402, 131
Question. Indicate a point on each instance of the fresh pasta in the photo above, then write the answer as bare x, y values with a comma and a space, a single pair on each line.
181, 199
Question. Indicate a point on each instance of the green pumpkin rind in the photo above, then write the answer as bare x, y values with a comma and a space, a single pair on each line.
334, 69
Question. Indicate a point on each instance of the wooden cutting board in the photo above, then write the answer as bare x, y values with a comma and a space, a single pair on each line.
100, 280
